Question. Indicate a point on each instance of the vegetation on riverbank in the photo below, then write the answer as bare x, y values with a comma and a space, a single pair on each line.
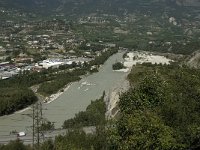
161, 112
118, 66
53, 86
15, 98
93, 116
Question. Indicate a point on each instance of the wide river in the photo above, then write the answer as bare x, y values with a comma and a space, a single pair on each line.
75, 99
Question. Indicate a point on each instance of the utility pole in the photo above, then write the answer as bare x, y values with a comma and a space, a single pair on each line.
38, 135
33, 142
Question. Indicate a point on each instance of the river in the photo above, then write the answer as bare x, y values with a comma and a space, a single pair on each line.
75, 99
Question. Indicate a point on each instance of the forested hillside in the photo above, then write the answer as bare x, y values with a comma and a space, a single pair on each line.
162, 111
30, 5
91, 6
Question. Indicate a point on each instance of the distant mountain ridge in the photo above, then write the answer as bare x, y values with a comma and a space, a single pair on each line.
30, 4
195, 3
89, 6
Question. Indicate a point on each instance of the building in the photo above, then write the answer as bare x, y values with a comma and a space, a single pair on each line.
51, 63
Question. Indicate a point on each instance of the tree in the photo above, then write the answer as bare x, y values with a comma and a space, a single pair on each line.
144, 130
47, 145
15, 145
47, 125
118, 66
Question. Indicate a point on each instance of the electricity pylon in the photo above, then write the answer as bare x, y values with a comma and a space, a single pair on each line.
38, 135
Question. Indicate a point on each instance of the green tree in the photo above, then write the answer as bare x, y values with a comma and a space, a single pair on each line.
15, 145
145, 131
47, 145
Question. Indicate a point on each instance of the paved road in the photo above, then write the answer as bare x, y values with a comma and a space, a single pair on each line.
48, 135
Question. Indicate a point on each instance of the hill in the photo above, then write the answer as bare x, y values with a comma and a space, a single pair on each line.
92, 6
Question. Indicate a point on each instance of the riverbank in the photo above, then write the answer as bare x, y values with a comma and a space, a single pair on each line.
131, 59
53, 97
113, 96
140, 57
70, 102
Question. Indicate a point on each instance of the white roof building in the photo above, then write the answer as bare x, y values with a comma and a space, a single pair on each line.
51, 63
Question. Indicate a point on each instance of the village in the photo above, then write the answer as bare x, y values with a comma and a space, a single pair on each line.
31, 44
42, 45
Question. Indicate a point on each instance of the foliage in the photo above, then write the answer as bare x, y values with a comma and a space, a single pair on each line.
15, 145
15, 98
118, 66
143, 130
46, 126
77, 139
100, 60
161, 112
47, 145
93, 47
52, 87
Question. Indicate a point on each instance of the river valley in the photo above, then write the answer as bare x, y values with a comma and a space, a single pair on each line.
76, 98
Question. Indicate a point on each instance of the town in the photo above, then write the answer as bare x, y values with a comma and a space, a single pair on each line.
42, 45
36, 44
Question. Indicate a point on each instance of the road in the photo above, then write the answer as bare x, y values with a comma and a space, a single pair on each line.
47, 135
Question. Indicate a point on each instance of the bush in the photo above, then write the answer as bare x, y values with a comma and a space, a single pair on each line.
118, 66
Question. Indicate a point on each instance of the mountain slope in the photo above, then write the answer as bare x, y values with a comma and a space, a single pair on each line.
195, 3
90, 6
30, 5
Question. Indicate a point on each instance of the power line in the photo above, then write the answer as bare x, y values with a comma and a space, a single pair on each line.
33, 126
38, 135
